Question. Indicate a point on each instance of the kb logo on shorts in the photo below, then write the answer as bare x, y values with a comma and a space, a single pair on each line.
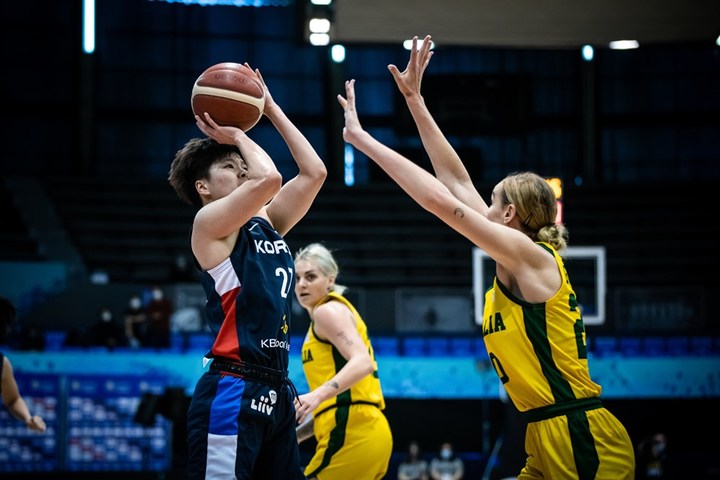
265, 404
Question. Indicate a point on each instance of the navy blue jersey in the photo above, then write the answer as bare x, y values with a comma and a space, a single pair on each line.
249, 298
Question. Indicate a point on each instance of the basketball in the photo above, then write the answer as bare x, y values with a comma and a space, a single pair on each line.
231, 93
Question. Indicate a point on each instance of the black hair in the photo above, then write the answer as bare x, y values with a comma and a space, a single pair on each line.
193, 162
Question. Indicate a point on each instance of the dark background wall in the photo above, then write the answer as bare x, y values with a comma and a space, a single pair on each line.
645, 115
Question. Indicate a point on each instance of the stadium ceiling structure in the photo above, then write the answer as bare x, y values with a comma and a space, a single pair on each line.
527, 23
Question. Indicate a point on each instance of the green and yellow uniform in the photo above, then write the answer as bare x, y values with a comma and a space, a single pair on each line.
353, 435
538, 351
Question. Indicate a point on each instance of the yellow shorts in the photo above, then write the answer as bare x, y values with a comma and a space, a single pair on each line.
353, 442
582, 445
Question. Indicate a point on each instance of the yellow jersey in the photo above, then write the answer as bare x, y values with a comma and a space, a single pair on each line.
538, 349
321, 361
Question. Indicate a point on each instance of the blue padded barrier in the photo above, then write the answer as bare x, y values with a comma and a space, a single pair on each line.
177, 342
199, 342
386, 345
702, 345
413, 346
605, 346
460, 347
630, 346
55, 340
296, 342
479, 348
437, 346
654, 346
678, 345
403, 376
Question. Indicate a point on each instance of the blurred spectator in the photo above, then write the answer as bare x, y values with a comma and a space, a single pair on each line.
159, 311
652, 457
106, 332
181, 271
413, 467
11, 397
136, 321
186, 319
446, 466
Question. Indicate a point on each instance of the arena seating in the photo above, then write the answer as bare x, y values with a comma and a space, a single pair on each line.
16, 240
457, 345
134, 230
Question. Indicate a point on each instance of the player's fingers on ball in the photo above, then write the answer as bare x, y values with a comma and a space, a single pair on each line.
210, 120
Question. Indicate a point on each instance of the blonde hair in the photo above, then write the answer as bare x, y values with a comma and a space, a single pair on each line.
323, 259
536, 207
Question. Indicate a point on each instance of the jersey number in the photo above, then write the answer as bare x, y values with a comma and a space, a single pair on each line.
579, 337
498, 368
286, 280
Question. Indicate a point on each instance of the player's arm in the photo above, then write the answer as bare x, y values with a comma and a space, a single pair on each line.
296, 196
335, 323
505, 245
219, 219
14, 401
448, 166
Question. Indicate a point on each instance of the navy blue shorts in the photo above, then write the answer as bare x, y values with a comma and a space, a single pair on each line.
241, 429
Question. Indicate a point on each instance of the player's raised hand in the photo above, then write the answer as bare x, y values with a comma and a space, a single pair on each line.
410, 80
269, 102
352, 128
224, 134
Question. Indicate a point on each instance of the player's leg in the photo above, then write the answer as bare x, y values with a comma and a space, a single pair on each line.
280, 454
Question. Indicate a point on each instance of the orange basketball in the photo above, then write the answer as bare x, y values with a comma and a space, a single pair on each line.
231, 93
